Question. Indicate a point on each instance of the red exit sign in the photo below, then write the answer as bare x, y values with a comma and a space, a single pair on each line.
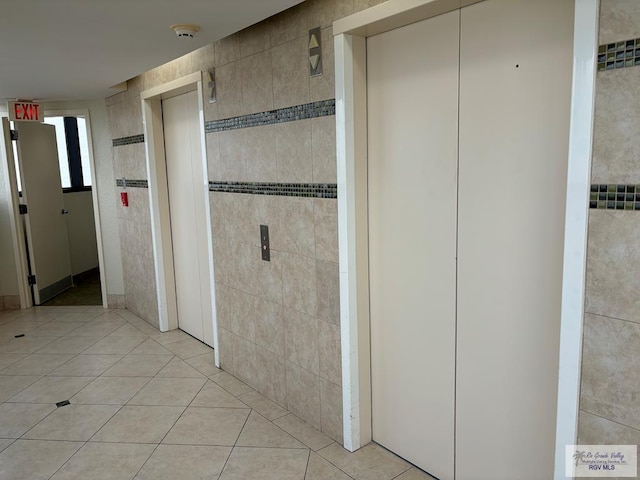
25, 112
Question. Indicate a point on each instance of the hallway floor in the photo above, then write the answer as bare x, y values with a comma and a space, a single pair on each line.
85, 291
148, 405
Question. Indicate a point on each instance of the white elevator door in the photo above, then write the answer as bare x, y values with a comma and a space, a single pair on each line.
412, 88
187, 197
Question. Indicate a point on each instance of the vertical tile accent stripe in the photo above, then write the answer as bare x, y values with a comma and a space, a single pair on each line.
118, 142
625, 53
132, 183
317, 190
615, 197
323, 108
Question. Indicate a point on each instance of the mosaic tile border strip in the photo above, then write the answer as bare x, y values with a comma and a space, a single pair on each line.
625, 53
615, 197
119, 142
323, 108
316, 190
132, 183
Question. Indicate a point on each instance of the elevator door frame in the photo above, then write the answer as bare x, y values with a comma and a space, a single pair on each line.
159, 200
351, 143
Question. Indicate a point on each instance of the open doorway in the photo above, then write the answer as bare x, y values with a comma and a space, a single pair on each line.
69, 185
76, 183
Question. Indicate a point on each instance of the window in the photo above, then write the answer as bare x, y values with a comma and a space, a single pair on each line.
73, 152
58, 122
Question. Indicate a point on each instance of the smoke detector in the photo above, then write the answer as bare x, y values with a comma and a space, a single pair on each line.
185, 30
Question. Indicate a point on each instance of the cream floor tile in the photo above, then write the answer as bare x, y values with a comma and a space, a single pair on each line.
185, 462
74, 315
52, 390
126, 330
110, 390
128, 316
72, 422
205, 364
69, 345
231, 384
111, 316
115, 345
86, 365
168, 391
10, 386
7, 359
26, 344
167, 338
36, 364
371, 462
18, 418
150, 347
138, 365
260, 432
143, 326
55, 329
178, 368
139, 424
265, 464
304, 432
212, 395
207, 426
35, 459
263, 405
5, 442
98, 309
105, 461
414, 474
97, 329
188, 348
319, 469
18, 327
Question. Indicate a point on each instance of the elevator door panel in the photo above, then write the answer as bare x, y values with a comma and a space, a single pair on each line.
515, 90
412, 88
187, 199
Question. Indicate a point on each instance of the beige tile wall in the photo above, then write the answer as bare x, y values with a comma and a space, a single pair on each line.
610, 391
279, 320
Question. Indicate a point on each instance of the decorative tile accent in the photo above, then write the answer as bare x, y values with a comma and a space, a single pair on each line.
323, 108
118, 142
615, 197
132, 183
621, 54
317, 190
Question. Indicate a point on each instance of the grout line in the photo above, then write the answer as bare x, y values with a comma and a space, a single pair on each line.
68, 459
612, 318
609, 420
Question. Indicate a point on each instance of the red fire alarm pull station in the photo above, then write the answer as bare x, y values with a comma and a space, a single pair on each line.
124, 196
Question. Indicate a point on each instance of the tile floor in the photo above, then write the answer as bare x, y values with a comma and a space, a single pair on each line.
147, 405
85, 291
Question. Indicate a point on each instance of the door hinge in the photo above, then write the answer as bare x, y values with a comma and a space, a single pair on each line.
23, 209
14, 135
32, 279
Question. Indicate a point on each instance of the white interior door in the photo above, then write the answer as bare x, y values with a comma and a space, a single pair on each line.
412, 88
515, 89
187, 202
45, 223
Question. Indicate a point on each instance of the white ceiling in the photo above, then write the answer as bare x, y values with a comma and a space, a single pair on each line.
77, 49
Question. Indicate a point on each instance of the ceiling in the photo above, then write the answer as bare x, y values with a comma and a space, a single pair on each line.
78, 49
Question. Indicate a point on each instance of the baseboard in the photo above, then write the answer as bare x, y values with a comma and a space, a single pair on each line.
10, 302
115, 301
